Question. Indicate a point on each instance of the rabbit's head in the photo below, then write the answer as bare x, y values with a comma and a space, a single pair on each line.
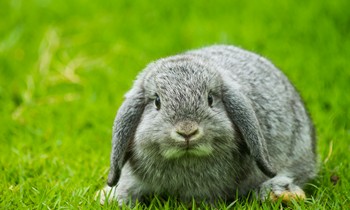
184, 114
180, 107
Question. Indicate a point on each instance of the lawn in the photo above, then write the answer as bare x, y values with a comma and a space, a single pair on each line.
65, 66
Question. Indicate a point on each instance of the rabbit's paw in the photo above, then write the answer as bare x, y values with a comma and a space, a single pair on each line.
107, 194
287, 196
281, 187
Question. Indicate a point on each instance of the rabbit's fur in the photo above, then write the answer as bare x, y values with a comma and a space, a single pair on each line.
207, 124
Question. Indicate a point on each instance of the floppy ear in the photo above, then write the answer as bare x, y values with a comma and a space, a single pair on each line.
241, 113
124, 128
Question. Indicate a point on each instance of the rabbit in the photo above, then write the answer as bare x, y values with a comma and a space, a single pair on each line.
211, 124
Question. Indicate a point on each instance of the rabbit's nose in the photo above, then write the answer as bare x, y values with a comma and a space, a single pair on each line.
187, 134
187, 129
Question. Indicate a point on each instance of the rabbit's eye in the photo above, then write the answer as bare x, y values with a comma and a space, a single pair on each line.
157, 102
210, 100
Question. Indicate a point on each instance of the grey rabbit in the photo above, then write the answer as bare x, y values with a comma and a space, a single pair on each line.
210, 124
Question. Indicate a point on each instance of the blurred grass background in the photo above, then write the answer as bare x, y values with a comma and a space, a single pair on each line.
65, 66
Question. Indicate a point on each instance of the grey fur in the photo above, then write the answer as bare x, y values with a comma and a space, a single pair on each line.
257, 127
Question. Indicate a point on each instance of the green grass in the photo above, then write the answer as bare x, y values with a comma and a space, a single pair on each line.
65, 66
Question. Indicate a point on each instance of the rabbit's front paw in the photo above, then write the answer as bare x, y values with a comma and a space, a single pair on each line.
106, 195
281, 187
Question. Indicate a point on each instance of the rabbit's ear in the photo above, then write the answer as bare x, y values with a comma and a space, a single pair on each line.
124, 128
241, 113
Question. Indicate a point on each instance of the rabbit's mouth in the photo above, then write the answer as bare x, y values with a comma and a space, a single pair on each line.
188, 150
